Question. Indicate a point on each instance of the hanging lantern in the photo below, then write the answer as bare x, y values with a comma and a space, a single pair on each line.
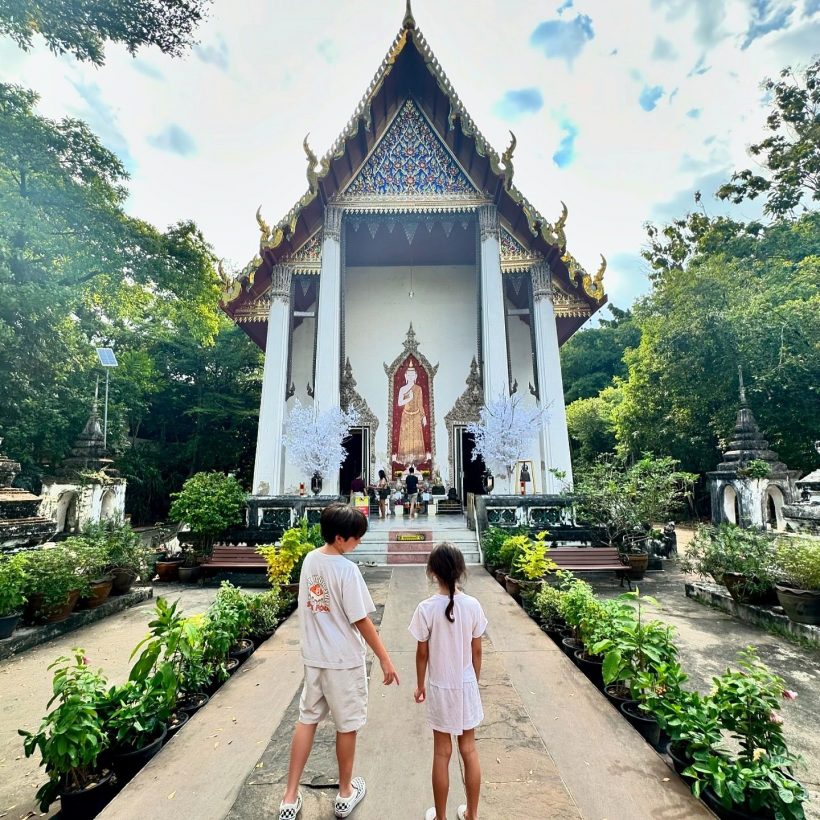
316, 484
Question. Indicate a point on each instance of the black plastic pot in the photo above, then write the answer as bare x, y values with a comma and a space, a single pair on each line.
8, 623
127, 764
242, 651
554, 632
801, 605
177, 721
193, 703
570, 646
232, 665
123, 580
89, 802
188, 575
591, 666
617, 694
259, 639
680, 757
645, 724
735, 813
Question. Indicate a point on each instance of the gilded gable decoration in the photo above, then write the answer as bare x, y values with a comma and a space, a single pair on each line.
515, 258
410, 161
308, 258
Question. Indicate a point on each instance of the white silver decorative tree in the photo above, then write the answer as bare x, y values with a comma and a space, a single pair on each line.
504, 432
314, 441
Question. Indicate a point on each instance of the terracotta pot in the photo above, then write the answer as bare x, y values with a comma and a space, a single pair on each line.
500, 576
57, 613
512, 586
801, 605
168, 570
98, 592
638, 562
123, 580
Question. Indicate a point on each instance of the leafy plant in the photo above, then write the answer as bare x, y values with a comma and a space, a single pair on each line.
492, 541
264, 610
13, 580
137, 711
71, 737
285, 561
232, 598
531, 561
547, 605
623, 499
798, 561
686, 716
209, 503
90, 556
577, 597
52, 576
715, 551
755, 469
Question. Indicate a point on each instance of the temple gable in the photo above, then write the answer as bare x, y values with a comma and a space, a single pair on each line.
410, 160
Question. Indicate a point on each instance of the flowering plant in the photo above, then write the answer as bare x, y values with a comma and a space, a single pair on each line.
503, 432
315, 441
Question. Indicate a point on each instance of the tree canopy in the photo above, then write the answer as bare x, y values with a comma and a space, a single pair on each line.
83, 27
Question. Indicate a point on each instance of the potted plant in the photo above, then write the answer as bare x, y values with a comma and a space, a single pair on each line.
798, 562
12, 592
547, 605
740, 559
264, 610
757, 782
54, 584
620, 499
530, 565
208, 503
92, 562
71, 740
491, 540
230, 597
285, 560
127, 557
136, 716
577, 598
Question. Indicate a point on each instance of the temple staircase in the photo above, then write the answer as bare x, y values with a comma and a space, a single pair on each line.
394, 541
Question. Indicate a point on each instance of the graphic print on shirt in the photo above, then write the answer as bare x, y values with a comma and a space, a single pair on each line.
318, 598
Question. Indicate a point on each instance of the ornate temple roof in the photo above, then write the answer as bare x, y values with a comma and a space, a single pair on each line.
411, 88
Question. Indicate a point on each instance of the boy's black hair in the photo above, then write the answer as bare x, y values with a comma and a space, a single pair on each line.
446, 563
342, 520
412, 470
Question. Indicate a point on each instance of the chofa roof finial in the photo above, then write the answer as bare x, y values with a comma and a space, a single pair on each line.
742, 386
409, 21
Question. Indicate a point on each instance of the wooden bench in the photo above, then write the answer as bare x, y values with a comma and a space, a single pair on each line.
591, 559
239, 559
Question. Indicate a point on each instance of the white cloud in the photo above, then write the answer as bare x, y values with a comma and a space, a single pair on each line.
261, 80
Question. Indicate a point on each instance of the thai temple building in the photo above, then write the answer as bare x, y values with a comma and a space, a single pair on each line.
416, 283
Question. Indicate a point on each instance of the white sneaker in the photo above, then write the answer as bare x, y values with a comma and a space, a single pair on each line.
461, 813
430, 814
288, 811
344, 805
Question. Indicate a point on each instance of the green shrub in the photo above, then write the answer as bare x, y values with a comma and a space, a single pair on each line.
547, 605
52, 576
264, 612
798, 561
13, 581
492, 541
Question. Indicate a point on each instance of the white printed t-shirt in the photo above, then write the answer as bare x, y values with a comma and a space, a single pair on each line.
332, 597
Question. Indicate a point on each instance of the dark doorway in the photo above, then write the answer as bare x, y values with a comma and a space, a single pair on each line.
472, 470
353, 463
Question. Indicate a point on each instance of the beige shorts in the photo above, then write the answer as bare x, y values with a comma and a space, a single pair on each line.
341, 692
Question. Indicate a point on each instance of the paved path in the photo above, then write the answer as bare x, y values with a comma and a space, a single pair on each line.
551, 746
25, 687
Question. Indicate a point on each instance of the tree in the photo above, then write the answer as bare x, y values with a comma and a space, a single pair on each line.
83, 27
593, 357
791, 154
591, 425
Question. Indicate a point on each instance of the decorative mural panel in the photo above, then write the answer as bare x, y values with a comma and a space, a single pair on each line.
410, 402
410, 160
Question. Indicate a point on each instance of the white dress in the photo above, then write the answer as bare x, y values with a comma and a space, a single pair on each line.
453, 699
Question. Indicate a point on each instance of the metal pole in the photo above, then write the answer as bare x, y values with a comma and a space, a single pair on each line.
105, 416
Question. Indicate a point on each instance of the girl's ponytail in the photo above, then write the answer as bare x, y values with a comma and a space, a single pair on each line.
446, 563
451, 585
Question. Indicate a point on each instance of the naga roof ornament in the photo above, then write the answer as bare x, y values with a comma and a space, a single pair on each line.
593, 286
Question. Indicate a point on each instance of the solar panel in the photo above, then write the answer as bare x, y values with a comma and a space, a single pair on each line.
107, 357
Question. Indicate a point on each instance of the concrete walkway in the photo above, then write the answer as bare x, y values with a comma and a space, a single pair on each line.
551, 746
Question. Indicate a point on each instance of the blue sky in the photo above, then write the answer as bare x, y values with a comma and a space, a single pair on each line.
621, 109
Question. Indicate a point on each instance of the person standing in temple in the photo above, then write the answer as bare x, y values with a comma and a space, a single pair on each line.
411, 483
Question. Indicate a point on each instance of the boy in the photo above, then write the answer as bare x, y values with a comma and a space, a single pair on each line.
412, 484
334, 605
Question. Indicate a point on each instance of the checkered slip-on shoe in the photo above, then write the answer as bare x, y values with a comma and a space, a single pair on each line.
345, 805
288, 811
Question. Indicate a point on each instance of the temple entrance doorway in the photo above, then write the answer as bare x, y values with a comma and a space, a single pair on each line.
468, 472
357, 446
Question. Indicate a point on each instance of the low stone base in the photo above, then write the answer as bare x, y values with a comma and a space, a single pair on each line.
765, 616
26, 637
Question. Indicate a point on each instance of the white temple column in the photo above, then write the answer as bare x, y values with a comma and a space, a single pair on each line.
493, 316
269, 465
329, 326
554, 436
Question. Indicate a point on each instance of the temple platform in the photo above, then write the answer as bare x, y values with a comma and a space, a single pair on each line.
401, 540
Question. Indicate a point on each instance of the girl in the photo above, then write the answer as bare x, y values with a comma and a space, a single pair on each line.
383, 490
448, 627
